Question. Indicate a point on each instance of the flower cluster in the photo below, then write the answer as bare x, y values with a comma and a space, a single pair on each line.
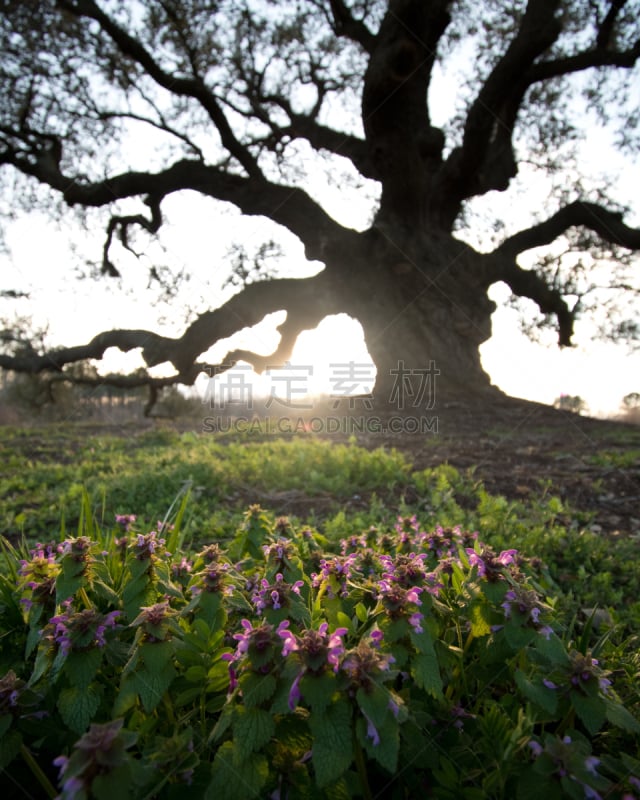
125, 521
316, 650
444, 542
275, 595
79, 630
569, 762
146, 545
334, 574
39, 578
99, 752
212, 579
279, 554
257, 650
488, 564
365, 664
399, 603
522, 602
155, 621
10, 689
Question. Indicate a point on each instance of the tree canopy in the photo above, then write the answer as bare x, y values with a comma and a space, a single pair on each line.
111, 108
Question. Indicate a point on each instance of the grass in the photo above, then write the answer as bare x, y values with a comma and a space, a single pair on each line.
339, 489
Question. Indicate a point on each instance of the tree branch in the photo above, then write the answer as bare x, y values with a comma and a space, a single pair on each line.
307, 301
345, 24
490, 121
527, 283
607, 224
122, 224
320, 137
597, 57
192, 87
288, 206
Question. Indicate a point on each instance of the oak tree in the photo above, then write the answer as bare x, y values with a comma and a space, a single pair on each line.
259, 103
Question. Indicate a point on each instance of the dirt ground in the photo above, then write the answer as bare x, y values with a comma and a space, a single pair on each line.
516, 445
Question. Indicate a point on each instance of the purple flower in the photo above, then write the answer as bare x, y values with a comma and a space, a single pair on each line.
125, 521
294, 693
275, 595
549, 684
415, 622
591, 763
366, 665
488, 564
79, 630
316, 649
146, 545
372, 732
535, 747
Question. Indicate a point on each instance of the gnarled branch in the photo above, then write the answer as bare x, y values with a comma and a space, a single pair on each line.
491, 118
607, 224
306, 301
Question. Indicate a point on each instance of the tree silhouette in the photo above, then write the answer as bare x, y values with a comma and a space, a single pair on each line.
255, 103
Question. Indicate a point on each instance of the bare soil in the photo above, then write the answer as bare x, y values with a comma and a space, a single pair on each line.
516, 447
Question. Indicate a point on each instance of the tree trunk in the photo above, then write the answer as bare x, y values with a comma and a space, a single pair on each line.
424, 309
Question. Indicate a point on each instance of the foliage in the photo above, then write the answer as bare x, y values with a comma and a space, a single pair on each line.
567, 402
418, 659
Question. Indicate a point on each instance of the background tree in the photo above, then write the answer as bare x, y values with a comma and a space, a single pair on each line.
256, 103
569, 402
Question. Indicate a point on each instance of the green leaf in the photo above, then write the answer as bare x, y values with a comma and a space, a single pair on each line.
424, 666
252, 728
517, 636
590, 710
127, 696
5, 724
375, 707
196, 674
156, 656
375, 704
81, 668
10, 744
256, 689
77, 707
361, 612
317, 690
209, 610
228, 782
386, 751
479, 615
619, 716
332, 750
152, 686
344, 621
537, 693
552, 648
532, 786
394, 629
115, 783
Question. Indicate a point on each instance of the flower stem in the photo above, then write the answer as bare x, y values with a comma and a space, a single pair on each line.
37, 771
362, 769
82, 593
